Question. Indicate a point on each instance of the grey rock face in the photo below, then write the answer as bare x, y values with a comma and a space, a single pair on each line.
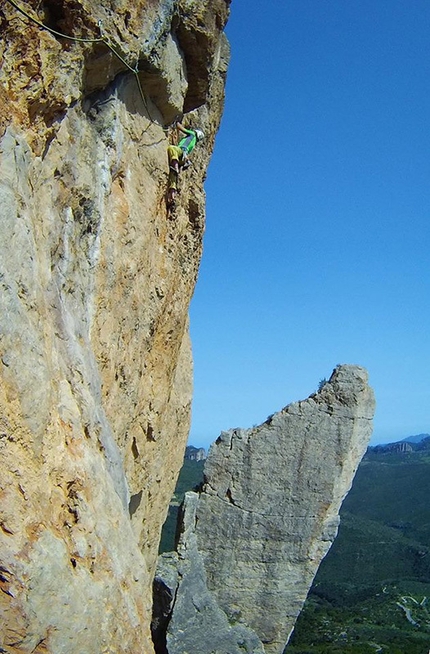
197, 624
268, 512
195, 453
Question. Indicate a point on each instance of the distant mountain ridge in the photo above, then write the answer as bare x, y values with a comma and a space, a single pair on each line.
419, 442
416, 439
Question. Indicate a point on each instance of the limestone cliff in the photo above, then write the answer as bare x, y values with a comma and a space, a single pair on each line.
252, 540
95, 361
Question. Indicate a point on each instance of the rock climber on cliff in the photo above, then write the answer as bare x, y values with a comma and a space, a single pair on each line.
178, 159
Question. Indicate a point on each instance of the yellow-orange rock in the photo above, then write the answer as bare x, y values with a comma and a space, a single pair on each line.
95, 359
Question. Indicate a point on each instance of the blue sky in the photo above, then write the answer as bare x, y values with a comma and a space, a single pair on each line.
318, 205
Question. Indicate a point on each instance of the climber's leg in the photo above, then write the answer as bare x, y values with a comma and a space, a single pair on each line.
171, 198
172, 187
175, 154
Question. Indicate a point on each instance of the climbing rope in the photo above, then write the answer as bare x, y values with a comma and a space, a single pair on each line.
49, 29
100, 39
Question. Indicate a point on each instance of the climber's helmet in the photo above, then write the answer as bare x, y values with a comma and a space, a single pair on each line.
199, 134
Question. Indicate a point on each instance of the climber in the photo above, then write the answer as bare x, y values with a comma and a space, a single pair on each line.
178, 159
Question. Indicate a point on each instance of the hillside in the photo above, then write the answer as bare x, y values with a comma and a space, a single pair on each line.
372, 587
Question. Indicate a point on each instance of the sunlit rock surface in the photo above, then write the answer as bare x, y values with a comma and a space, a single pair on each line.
268, 513
95, 284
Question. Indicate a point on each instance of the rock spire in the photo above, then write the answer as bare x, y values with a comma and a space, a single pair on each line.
266, 516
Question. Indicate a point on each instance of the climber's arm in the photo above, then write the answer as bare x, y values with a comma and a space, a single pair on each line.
183, 129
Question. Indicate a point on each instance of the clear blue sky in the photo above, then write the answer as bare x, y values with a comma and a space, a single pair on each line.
318, 214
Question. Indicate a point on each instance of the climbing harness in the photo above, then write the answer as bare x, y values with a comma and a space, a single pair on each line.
100, 39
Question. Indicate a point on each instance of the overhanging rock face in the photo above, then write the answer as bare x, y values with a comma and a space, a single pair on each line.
95, 286
268, 512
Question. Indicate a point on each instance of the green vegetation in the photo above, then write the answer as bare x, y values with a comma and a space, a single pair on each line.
190, 477
370, 593
322, 382
372, 619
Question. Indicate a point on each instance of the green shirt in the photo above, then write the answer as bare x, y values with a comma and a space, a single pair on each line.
188, 143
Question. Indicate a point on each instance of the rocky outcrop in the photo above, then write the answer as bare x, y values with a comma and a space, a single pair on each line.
267, 515
95, 360
185, 607
194, 453
399, 448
